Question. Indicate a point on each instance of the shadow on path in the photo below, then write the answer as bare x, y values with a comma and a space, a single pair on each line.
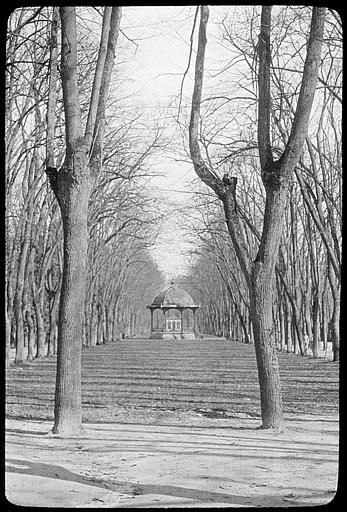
24, 431
134, 489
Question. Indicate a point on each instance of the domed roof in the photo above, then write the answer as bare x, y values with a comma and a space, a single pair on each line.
173, 296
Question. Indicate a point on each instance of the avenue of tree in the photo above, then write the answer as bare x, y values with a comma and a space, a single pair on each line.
263, 132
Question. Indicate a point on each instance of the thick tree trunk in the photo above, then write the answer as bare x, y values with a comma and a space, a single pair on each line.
73, 199
265, 349
261, 284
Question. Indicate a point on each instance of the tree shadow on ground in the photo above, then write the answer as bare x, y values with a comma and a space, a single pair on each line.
23, 431
132, 488
276, 442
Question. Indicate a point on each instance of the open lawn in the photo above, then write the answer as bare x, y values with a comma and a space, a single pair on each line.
215, 377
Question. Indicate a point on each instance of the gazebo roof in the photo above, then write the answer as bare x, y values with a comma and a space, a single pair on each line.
173, 296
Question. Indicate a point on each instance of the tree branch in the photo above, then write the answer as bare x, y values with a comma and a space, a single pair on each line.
200, 166
69, 78
98, 77
299, 129
52, 91
189, 59
265, 152
97, 148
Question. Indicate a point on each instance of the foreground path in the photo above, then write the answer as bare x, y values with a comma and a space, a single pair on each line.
137, 465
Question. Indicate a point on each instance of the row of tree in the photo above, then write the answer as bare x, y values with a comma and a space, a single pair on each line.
306, 304
123, 220
282, 133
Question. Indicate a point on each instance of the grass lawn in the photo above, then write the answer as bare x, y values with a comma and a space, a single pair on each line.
215, 377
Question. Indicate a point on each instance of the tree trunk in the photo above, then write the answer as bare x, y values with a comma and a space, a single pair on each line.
40, 330
281, 324
323, 322
53, 293
19, 330
99, 329
31, 335
295, 337
107, 325
335, 319
115, 330
73, 199
18, 299
53, 318
93, 324
307, 312
315, 320
86, 330
265, 349
7, 339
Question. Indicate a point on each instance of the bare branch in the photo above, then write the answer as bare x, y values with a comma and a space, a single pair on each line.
52, 93
308, 86
98, 76
265, 152
189, 59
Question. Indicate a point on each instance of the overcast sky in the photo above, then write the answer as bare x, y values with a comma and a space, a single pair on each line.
157, 67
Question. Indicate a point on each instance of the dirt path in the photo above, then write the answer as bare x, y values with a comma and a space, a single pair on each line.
187, 464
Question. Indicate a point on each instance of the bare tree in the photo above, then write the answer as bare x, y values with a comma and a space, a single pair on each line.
72, 185
276, 176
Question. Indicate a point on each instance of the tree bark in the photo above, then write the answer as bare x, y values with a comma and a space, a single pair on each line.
53, 319
315, 320
18, 299
335, 318
7, 339
31, 335
73, 198
93, 323
261, 299
40, 326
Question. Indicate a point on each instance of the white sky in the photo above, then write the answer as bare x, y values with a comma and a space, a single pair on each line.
156, 74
